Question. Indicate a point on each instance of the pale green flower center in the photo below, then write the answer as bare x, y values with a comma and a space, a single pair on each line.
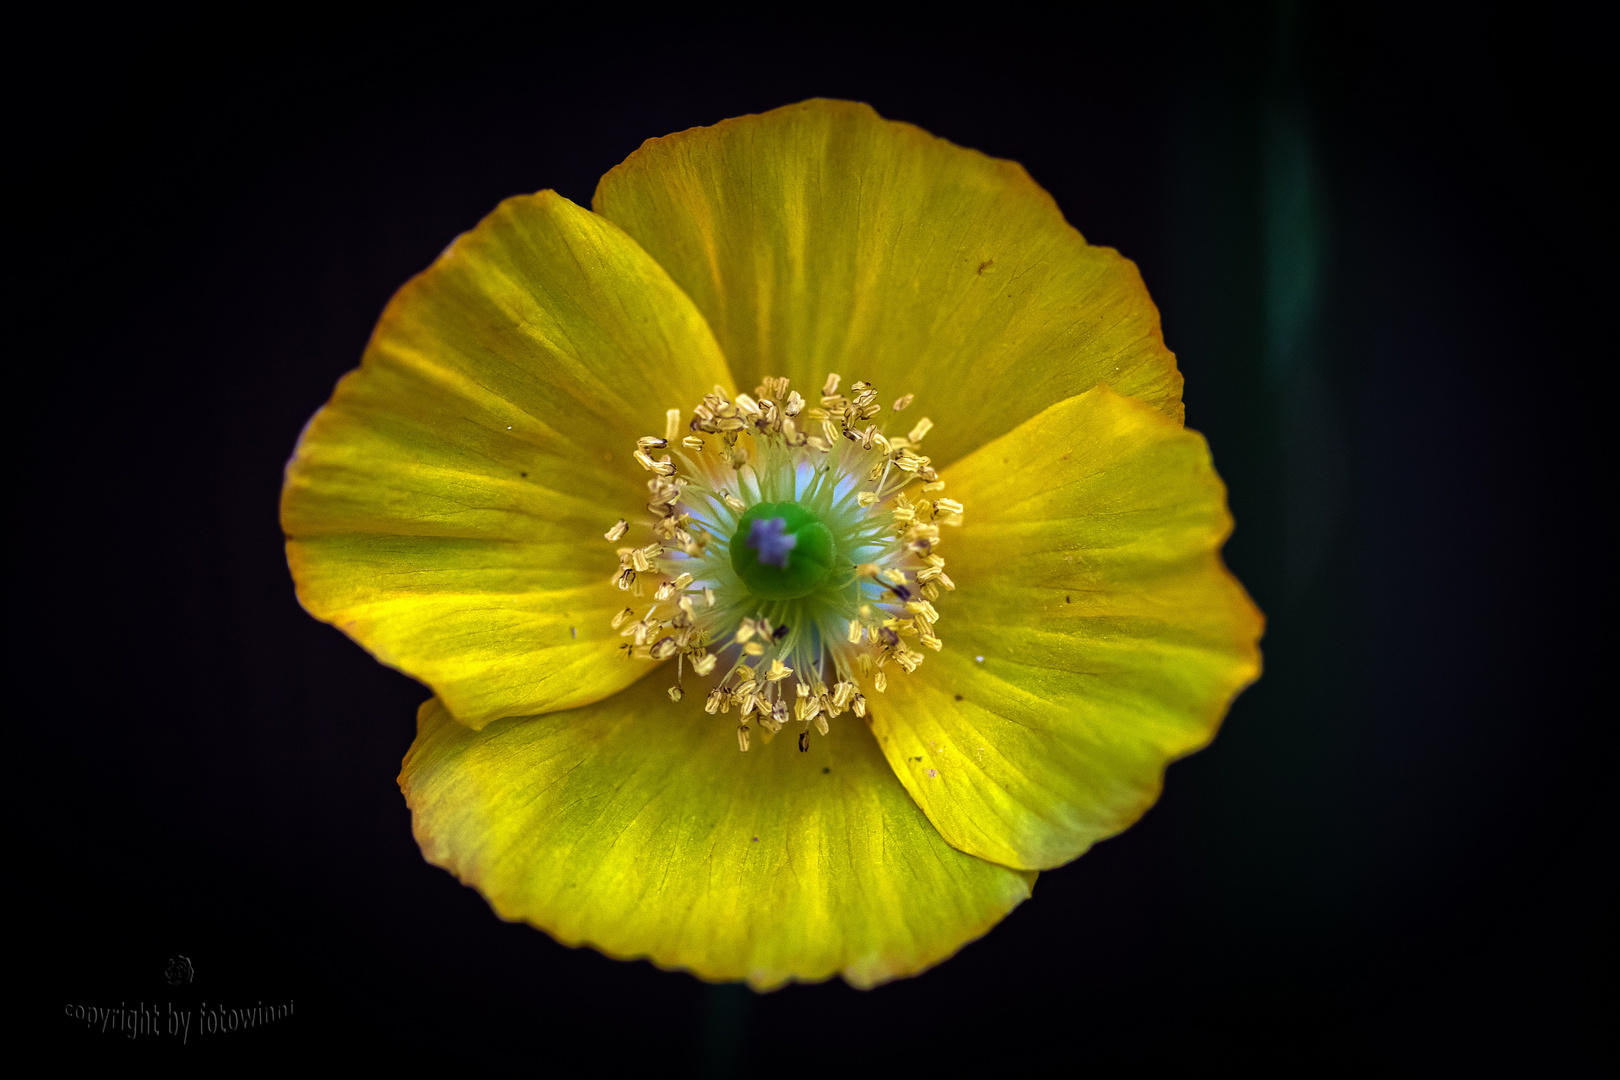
792, 561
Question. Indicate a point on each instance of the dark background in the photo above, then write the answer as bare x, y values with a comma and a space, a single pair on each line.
1375, 236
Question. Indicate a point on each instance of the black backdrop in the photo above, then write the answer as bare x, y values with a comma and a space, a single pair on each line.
1371, 235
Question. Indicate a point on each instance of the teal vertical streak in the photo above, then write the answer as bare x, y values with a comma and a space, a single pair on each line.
1295, 236
1295, 243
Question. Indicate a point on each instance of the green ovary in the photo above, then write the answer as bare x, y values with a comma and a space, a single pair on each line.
781, 551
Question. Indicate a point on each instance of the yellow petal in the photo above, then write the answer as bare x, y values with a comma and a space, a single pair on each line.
638, 828
1094, 635
822, 238
446, 509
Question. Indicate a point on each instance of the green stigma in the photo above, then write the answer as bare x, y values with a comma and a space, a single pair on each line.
781, 551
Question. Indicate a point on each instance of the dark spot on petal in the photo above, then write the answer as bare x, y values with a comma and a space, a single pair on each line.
958, 697
524, 475
1066, 600
755, 840
826, 769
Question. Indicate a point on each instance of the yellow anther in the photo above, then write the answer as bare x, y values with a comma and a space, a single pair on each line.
734, 502
831, 385
919, 429
880, 681
754, 648
619, 529
651, 442
854, 631
865, 498
672, 424
693, 442
676, 692
705, 663
778, 671
662, 468
904, 400
742, 738
923, 608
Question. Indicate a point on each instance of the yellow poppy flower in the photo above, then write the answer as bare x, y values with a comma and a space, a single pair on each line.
814, 424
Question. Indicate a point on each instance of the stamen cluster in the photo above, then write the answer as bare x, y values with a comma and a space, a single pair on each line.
813, 651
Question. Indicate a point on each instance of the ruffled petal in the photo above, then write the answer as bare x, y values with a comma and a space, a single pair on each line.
820, 237
1094, 635
446, 509
639, 829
